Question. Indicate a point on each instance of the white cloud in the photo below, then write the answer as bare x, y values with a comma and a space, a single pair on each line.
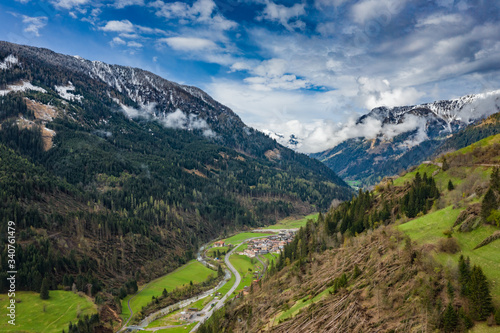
130, 35
440, 19
34, 24
270, 74
201, 11
286, 16
68, 4
326, 29
179, 120
188, 43
117, 41
366, 10
118, 26
134, 44
125, 3
376, 92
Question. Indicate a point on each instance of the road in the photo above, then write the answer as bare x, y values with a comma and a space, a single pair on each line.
208, 310
130, 309
220, 303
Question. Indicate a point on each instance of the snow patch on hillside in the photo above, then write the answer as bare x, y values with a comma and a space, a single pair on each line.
64, 92
22, 86
9, 62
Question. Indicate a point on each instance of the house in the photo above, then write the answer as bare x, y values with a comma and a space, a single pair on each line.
219, 244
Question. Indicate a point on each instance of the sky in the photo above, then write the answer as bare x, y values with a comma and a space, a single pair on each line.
293, 67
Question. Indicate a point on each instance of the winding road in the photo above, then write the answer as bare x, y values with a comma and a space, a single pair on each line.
209, 309
220, 303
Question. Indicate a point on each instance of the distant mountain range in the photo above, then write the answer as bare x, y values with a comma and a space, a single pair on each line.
399, 137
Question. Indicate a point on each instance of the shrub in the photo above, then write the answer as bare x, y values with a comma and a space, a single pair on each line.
448, 245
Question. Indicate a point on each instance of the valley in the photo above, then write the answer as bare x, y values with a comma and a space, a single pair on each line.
238, 277
145, 204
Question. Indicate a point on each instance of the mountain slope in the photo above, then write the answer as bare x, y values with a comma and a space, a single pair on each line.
141, 171
384, 263
406, 136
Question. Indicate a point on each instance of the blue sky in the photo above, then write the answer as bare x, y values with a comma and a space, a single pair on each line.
288, 66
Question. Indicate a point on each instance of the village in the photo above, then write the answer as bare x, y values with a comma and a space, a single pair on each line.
270, 244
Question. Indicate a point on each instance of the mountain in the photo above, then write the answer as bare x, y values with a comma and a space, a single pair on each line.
292, 141
419, 253
400, 137
114, 175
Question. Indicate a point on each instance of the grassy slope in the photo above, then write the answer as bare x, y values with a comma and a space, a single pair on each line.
239, 238
242, 265
214, 249
292, 223
429, 228
192, 271
61, 308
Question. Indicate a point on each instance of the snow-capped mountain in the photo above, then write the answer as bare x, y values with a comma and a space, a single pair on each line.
94, 97
291, 141
153, 97
386, 140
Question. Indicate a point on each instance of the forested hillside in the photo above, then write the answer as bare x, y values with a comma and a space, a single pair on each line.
103, 200
419, 253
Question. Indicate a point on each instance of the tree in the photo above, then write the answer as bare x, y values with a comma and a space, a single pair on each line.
451, 187
450, 319
44, 290
489, 203
481, 304
495, 179
446, 166
464, 274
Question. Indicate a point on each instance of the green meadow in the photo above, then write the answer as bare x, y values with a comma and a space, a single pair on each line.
45, 316
429, 228
246, 268
239, 238
192, 271
292, 223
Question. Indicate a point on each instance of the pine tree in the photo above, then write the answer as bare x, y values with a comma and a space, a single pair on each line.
450, 319
464, 275
481, 303
495, 179
44, 290
451, 187
446, 166
489, 203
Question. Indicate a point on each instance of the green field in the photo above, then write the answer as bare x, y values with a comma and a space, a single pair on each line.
192, 271
239, 238
180, 329
291, 223
242, 264
170, 319
429, 229
225, 288
214, 249
61, 308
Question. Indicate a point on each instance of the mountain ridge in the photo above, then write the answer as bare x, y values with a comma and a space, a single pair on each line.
401, 137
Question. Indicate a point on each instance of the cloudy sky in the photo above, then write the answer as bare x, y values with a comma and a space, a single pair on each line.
288, 66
